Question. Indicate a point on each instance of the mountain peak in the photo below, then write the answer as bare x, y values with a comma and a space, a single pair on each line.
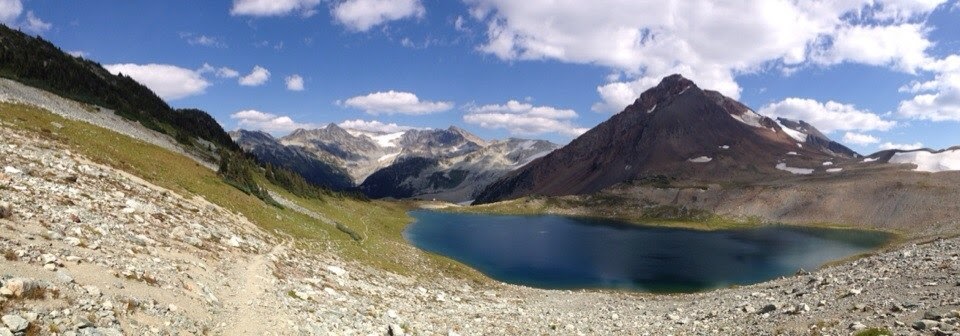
675, 81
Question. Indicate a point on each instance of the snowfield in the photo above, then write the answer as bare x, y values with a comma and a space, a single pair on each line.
795, 171
930, 162
702, 159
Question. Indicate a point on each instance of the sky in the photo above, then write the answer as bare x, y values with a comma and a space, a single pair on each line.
872, 74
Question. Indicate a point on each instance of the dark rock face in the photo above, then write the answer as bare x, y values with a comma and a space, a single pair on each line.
666, 132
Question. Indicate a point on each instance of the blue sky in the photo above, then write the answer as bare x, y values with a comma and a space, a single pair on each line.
872, 73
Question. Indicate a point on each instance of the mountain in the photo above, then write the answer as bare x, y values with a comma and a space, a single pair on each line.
679, 131
40, 64
447, 164
454, 178
269, 150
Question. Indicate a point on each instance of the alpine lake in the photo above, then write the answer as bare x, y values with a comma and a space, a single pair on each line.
557, 252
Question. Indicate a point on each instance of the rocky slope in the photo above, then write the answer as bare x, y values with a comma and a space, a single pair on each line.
677, 130
446, 164
91, 250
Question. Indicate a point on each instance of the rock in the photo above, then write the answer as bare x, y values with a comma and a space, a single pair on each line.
395, 330
338, 271
64, 277
933, 315
6, 210
16, 287
925, 324
50, 267
854, 291
72, 241
5, 332
92, 290
15, 323
392, 313
769, 308
749, 309
11, 171
234, 241
857, 326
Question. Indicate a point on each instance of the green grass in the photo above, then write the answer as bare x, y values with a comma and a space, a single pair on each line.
379, 223
874, 332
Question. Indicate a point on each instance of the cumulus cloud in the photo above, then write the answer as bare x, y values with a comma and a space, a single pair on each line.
374, 126
524, 119
827, 117
860, 139
10, 10
268, 122
294, 83
395, 102
258, 76
273, 7
170, 82
361, 15
937, 99
889, 145
647, 40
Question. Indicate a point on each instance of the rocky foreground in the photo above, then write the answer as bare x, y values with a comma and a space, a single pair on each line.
89, 250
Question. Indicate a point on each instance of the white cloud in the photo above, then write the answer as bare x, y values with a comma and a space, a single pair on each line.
294, 83
258, 76
707, 41
35, 25
395, 102
256, 120
860, 139
827, 117
170, 82
203, 40
524, 119
221, 72
889, 145
937, 99
902, 47
273, 7
10, 10
373, 126
361, 15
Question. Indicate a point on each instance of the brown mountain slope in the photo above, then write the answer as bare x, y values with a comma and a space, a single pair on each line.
676, 130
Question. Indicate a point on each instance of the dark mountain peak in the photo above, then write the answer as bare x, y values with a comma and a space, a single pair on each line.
669, 87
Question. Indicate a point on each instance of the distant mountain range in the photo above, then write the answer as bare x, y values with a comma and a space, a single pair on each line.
445, 164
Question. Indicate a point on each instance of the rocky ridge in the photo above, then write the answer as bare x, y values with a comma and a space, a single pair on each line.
91, 250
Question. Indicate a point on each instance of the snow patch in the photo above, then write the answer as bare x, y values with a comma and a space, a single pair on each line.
796, 135
702, 159
795, 171
792, 153
930, 162
834, 170
725, 147
750, 118
387, 140
828, 163
652, 108
388, 157
685, 89
867, 160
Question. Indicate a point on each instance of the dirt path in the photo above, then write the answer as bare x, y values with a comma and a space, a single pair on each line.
253, 308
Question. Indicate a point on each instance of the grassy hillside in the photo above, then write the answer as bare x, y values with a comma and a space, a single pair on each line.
379, 223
